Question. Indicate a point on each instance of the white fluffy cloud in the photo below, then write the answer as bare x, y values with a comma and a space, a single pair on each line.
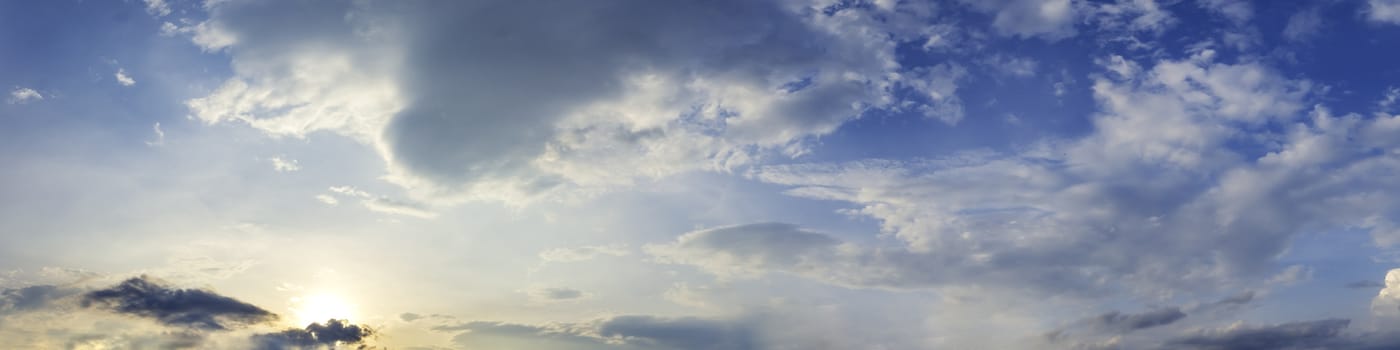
1152, 200
580, 94
1387, 302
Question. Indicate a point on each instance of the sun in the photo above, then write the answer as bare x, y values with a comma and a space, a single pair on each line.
321, 307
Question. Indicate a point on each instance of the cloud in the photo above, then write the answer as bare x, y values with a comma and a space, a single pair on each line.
1295, 335
1365, 284
749, 249
1123, 323
22, 95
380, 203
1152, 199
331, 333
1387, 301
752, 78
1124, 19
283, 165
158, 8
123, 79
160, 136
619, 332
1238, 11
583, 253
1304, 25
31, 298
1383, 11
554, 294
193, 308
1049, 19
680, 333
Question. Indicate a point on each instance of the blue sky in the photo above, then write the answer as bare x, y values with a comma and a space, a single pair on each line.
805, 174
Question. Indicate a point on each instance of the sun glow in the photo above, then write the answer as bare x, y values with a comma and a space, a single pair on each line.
321, 307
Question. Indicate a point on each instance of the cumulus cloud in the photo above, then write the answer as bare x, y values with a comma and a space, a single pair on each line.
1126, 18
1387, 301
194, 308
21, 95
1383, 11
752, 77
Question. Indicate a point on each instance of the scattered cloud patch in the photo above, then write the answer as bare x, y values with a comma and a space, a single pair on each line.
158, 8
160, 136
1383, 11
1304, 25
22, 95
584, 253
123, 78
283, 165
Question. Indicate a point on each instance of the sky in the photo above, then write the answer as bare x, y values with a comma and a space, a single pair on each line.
720, 174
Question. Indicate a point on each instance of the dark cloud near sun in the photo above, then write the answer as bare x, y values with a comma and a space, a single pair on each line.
194, 308
333, 332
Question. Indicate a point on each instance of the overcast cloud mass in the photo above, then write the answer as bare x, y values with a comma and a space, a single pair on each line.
731, 174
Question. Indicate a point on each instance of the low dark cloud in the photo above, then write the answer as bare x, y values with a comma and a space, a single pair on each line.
1123, 323
621, 332
681, 333
1365, 285
194, 308
31, 298
1320, 334
332, 333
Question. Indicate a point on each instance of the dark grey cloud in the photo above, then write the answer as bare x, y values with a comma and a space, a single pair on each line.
501, 335
688, 333
557, 294
331, 333
1320, 334
1120, 322
31, 298
194, 308
627, 332
1368, 284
